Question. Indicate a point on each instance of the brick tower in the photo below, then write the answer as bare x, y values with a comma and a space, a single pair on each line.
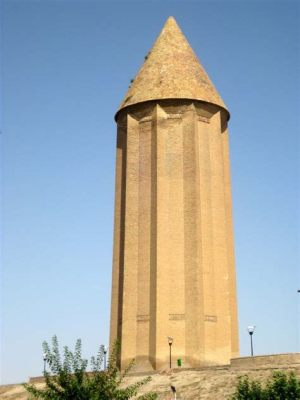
173, 263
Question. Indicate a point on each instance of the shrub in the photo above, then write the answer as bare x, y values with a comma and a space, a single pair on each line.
69, 379
282, 386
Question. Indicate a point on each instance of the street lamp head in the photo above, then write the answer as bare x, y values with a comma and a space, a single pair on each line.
104, 349
251, 329
45, 357
170, 340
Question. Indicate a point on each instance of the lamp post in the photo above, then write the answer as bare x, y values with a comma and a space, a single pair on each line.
45, 362
104, 352
251, 329
170, 341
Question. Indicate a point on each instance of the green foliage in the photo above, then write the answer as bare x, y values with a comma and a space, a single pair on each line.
248, 390
282, 386
69, 379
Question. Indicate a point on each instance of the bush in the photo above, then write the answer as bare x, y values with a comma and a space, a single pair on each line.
282, 386
69, 379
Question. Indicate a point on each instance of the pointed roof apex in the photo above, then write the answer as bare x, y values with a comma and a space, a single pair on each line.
170, 20
171, 71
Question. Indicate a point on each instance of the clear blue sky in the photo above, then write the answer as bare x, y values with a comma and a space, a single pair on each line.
65, 67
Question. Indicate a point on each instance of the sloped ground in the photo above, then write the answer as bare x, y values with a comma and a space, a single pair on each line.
206, 384
214, 383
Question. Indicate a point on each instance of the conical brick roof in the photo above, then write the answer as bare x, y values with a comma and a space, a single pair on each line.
171, 71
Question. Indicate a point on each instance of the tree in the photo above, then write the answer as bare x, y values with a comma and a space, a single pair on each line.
69, 379
281, 386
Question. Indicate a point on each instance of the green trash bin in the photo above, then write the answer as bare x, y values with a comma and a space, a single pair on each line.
179, 362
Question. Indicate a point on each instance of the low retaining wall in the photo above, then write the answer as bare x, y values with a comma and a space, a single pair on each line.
272, 361
268, 361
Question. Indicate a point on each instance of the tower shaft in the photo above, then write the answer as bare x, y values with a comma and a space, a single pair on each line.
173, 265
